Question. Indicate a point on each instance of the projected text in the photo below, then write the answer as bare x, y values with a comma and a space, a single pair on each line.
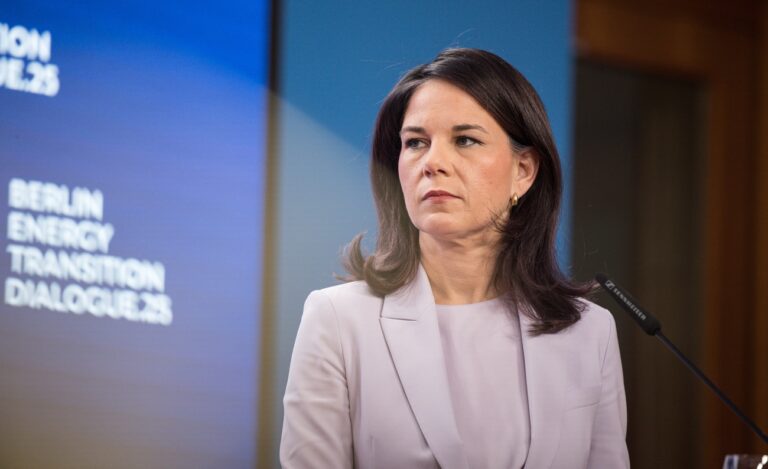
24, 61
59, 257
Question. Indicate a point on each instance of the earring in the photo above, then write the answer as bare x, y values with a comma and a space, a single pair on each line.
514, 200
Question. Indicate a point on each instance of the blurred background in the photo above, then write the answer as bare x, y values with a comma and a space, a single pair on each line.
178, 176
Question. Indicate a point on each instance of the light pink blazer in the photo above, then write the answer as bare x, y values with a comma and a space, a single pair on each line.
367, 387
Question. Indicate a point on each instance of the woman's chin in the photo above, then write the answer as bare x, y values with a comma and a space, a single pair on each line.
448, 232
440, 229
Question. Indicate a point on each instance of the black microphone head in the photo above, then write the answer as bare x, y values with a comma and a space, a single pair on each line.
643, 318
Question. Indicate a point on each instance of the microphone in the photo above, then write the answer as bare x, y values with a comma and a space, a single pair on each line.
651, 326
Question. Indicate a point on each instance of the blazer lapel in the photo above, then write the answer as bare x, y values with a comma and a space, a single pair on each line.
546, 394
409, 322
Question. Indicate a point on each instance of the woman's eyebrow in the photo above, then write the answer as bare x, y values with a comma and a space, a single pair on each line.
412, 128
455, 128
463, 127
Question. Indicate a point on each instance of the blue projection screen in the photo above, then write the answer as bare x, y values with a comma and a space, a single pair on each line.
132, 158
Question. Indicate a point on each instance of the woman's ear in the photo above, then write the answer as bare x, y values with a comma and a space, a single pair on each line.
526, 168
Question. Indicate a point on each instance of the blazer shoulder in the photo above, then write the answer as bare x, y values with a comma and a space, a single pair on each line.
347, 298
594, 315
596, 325
354, 291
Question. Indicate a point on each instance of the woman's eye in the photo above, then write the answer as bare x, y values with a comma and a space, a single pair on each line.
414, 143
464, 141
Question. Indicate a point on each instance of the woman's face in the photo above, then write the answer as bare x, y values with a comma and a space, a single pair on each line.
457, 167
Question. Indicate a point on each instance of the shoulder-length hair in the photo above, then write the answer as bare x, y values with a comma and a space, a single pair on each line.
526, 269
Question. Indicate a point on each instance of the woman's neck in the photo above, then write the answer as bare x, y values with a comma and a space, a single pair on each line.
459, 271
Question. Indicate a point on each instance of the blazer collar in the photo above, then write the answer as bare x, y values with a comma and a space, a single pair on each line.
409, 322
544, 383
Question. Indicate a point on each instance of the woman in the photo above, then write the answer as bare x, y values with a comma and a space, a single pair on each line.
460, 344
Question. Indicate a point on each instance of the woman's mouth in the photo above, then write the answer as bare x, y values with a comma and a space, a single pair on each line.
438, 195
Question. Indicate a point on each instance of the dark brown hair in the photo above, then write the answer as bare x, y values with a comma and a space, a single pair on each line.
526, 268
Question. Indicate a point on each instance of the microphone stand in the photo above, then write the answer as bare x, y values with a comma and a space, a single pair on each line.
651, 326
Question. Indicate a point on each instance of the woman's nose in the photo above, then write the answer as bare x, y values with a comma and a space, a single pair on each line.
436, 161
